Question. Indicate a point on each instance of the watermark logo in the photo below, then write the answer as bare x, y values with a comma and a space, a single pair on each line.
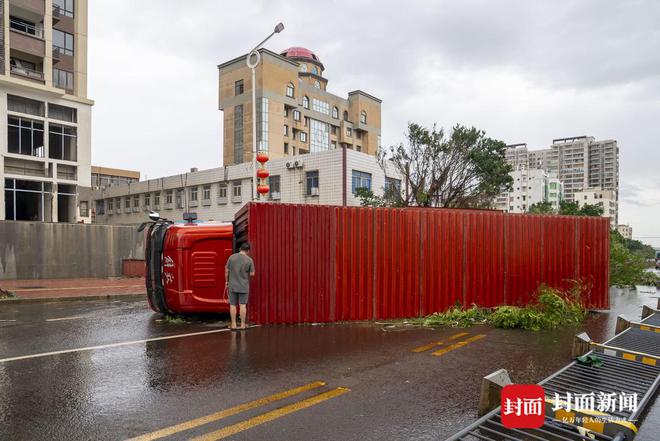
601, 402
523, 406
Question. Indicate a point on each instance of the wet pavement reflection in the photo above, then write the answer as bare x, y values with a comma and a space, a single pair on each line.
393, 392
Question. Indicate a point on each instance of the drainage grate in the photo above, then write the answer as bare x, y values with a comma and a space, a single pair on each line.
490, 428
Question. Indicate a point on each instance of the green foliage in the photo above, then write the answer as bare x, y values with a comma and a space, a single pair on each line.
591, 210
552, 309
628, 268
465, 169
541, 208
369, 199
573, 209
173, 319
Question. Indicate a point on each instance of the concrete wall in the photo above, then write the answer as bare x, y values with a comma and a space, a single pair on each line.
35, 250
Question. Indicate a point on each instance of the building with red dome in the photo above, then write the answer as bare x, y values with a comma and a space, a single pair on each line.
296, 113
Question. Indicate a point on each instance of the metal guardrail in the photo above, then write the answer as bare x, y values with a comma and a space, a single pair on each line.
631, 365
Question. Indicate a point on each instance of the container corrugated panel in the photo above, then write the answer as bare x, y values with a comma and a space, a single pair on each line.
399, 252
324, 264
354, 264
484, 259
442, 270
523, 248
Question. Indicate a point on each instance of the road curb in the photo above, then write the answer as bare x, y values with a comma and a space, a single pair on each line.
18, 300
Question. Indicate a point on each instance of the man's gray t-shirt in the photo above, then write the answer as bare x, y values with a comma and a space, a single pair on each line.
240, 266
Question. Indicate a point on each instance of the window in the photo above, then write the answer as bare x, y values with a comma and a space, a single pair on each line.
358, 134
157, 199
25, 26
62, 113
62, 79
118, 200
335, 113
110, 204
285, 131
333, 145
168, 197
363, 117
84, 208
179, 198
193, 194
147, 199
296, 115
62, 142
349, 131
321, 106
290, 90
345, 115
303, 137
100, 207
127, 203
222, 190
306, 102
25, 136
315, 70
238, 134
206, 192
25, 105
286, 147
317, 84
358, 148
392, 185
274, 184
320, 136
237, 189
312, 180
303, 68
63, 7
63, 41
286, 111
334, 130
262, 124
238, 87
360, 180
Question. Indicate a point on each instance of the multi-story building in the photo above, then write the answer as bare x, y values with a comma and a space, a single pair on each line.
625, 230
295, 112
581, 164
104, 177
218, 193
45, 153
530, 186
607, 199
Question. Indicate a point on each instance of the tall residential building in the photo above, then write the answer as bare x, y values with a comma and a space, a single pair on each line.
530, 186
45, 169
295, 112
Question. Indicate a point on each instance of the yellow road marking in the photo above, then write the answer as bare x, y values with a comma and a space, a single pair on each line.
272, 415
226, 413
438, 343
460, 344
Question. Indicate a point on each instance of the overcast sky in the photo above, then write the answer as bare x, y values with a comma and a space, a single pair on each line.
523, 71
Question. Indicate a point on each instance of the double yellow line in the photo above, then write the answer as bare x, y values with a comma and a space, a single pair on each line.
251, 422
446, 349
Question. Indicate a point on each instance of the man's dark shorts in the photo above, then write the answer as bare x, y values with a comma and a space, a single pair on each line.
236, 298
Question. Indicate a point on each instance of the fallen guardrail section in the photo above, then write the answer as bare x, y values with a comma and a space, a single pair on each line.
630, 368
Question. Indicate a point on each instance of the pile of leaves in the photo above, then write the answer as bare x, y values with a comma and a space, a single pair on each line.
551, 309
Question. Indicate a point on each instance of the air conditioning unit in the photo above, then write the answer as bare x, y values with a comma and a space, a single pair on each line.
298, 164
315, 191
275, 196
288, 165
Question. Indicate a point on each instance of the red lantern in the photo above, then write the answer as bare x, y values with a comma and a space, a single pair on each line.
262, 157
263, 189
262, 173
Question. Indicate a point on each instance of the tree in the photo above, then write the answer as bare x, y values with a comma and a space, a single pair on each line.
569, 208
627, 268
541, 208
591, 210
464, 169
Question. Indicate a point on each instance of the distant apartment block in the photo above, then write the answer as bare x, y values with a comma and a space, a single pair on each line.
530, 187
582, 164
45, 138
296, 114
105, 177
625, 230
218, 193
603, 198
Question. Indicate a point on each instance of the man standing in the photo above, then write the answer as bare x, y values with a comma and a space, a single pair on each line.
238, 271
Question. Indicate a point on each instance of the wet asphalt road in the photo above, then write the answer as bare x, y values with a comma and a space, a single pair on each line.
388, 391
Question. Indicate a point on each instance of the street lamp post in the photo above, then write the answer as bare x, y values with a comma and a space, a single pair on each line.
252, 60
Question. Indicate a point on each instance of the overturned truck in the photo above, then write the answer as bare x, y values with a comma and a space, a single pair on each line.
328, 263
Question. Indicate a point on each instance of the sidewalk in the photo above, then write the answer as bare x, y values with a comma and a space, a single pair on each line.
63, 288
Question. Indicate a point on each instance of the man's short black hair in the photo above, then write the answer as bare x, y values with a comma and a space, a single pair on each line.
245, 246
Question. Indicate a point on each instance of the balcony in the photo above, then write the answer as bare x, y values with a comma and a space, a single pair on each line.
25, 69
25, 27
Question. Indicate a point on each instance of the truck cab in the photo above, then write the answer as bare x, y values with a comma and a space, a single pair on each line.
185, 266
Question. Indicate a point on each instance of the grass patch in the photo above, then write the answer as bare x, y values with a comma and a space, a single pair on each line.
552, 308
173, 319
